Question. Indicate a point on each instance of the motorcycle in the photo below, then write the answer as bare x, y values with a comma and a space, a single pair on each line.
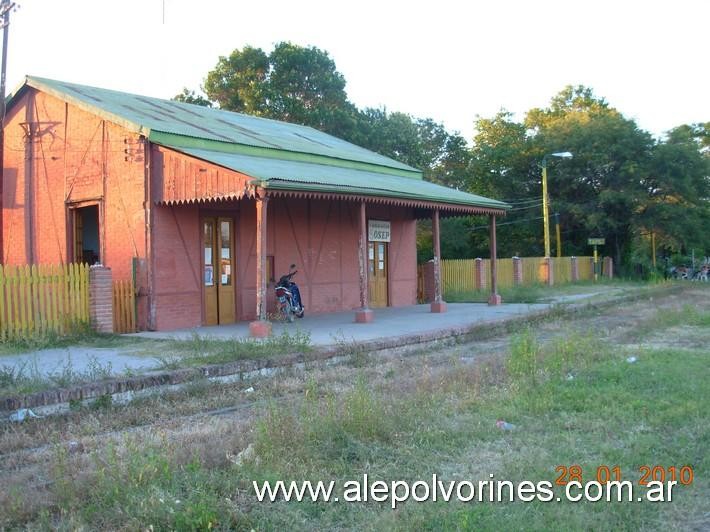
289, 297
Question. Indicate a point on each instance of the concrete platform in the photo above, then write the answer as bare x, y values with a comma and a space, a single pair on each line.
324, 330
329, 329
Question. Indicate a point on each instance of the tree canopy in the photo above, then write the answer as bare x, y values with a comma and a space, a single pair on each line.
621, 183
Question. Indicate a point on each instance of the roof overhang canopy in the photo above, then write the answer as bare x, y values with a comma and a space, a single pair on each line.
278, 177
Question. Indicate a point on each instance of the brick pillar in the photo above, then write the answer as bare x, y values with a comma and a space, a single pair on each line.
608, 267
479, 275
549, 271
101, 298
517, 271
494, 298
428, 273
575, 269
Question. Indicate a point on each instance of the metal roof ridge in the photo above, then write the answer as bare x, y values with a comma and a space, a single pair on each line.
47, 85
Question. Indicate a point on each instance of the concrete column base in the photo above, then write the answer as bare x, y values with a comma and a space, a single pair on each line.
260, 329
438, 307
495, 299
364, 315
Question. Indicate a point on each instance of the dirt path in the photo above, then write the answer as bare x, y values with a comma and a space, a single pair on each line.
218, 419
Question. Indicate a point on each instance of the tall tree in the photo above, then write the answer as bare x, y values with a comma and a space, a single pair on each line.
190, 96
293, 83
620, 184
601, 187
302, 85
240, 82
678, 186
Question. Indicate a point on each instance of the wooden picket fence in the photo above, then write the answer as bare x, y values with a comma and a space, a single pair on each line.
38, 299
505, 272
585, 268
458, 274
562, 268
533, 270
124, 307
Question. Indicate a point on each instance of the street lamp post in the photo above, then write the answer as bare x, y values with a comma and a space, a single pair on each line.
545, 199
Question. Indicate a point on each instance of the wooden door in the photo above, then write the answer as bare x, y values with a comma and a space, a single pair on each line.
377, 273
78, 235
218, 270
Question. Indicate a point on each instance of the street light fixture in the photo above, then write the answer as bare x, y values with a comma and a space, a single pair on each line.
545, 199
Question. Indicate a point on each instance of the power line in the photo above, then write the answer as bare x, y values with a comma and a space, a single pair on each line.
535, 206
521, 201
507, 223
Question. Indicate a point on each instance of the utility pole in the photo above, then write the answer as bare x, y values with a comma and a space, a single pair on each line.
545, 208
5, 7
546, 199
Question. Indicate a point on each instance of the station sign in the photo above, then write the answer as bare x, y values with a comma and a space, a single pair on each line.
378, 231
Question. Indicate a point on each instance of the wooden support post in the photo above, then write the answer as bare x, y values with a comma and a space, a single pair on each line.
495, 299
261, 327
438, 305
365, 313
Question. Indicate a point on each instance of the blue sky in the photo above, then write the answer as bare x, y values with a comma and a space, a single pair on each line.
451, 61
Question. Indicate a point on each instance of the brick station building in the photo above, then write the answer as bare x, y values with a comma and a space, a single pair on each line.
205, 208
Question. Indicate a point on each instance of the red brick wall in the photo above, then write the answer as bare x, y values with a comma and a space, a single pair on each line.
70, 152
177, 283
320, 236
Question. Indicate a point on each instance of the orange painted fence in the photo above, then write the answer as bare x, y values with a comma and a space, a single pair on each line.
38, 299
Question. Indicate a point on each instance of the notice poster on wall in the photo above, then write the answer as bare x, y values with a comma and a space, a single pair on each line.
378, 231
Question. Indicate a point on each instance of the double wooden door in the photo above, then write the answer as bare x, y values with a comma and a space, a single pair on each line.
218, 270
377, 273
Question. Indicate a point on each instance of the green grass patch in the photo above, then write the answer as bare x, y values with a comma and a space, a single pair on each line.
26, 377
663, 319
81, 334
574, 401
200, 350
516, 294
540, 293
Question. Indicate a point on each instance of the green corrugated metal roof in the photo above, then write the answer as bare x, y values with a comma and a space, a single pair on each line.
146, 115
283, 156
297, 175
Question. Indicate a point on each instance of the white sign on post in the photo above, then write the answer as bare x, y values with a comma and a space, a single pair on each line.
378, 231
